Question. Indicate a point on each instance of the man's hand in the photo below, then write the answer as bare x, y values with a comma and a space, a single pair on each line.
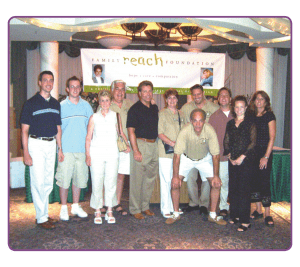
88, 160
176, 182
137, 156
216, 181
27, 159
61, 156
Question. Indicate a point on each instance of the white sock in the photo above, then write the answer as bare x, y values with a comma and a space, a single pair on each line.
75, 205
212, 214
176, 213
64, 207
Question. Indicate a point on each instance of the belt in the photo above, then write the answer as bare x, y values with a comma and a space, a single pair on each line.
147, 140
42, 138
190, 158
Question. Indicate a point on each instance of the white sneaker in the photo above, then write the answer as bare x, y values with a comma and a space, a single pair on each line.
64, 216
77, 210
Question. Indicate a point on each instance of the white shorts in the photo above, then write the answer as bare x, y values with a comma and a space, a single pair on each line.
204, 166
124, 163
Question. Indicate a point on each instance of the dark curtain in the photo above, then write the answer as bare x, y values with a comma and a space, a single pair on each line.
18, 76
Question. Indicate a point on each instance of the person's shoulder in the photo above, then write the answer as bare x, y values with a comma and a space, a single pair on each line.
86, 104
155, 107
63, 102
136, 104
212, 105
128, 102
270, 115
54, 101
208, 127
163, 111
216, 114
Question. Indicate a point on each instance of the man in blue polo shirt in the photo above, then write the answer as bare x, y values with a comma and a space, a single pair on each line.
75, 115
41, 130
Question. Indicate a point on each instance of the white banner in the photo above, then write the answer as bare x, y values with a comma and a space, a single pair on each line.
179, 70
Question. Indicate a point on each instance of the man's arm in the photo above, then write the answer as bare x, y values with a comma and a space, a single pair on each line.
132, 138
25, 136
88, 140
58, 142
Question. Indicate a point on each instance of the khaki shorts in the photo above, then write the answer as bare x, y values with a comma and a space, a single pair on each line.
204, 166
73, 167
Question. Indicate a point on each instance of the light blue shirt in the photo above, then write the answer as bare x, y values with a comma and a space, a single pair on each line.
75, 118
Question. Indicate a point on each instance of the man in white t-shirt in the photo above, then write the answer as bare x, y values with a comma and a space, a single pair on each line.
218, 120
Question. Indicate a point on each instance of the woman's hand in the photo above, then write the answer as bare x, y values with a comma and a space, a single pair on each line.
240, 160
172, 143
231, 161
263, 163
128, 149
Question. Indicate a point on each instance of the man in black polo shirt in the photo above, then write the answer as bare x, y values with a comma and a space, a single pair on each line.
40, 120
142, 124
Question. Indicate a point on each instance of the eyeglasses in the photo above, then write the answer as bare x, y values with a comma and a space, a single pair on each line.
75, 87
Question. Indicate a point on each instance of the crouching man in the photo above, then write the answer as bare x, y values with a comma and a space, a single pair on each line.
197, 147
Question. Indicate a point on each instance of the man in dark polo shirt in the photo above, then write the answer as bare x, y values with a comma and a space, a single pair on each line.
40, 121
142, 125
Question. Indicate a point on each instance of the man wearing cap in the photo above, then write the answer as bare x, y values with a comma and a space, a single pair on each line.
197, 147
41, 130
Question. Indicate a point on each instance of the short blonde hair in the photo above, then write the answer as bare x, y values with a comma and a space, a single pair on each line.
104, 93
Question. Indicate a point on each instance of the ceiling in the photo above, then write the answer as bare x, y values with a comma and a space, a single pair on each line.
263, 32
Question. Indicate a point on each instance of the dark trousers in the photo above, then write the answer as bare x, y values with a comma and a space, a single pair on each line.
240, 190
261, 187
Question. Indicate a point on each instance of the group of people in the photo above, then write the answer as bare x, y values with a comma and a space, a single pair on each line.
228, 145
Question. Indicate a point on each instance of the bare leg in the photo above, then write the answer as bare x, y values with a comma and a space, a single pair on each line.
258, 207
214, 196
63, 193
76, 193
103, 210
175, 194
120, 185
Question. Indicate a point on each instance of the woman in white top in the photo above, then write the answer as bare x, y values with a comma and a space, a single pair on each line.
102, 155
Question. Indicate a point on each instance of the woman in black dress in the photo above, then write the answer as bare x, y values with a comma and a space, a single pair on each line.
266, 132
239, 143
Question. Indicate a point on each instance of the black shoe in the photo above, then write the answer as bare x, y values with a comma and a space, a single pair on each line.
223, 213
189, 208
203, 210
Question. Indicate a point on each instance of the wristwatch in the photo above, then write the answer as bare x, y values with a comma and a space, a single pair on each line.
266, 157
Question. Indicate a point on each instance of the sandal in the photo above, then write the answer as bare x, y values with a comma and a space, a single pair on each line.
97, 220
269, 219
110, 219
121, 211
255, 215
243, 228
234, 221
